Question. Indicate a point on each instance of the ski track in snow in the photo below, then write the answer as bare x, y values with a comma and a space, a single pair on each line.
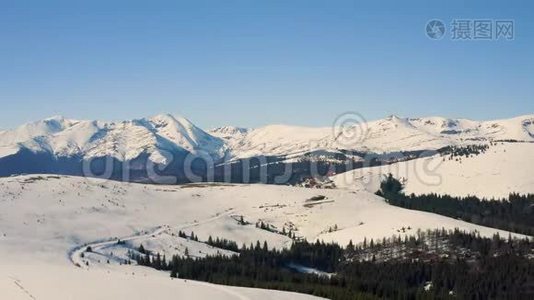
222, 288
75, 255
18, 283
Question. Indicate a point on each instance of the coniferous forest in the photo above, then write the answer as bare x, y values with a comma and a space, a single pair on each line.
436, 264
516, 213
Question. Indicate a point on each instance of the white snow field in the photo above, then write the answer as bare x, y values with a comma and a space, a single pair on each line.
503, 169
47, 222
53, 282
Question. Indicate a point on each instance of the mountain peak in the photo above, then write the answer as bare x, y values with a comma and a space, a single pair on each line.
163, 117
394, 118
175, 120
46, 126
55, 118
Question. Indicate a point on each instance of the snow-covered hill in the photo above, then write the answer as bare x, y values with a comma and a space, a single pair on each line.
503, 169
46, 223
51, 282
46, 216
387, 135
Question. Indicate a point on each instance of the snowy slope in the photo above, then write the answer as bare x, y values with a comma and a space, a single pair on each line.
229, 132
387, 135
520, 128
51, 282
503, 169
46, 222
47, 216
44, 219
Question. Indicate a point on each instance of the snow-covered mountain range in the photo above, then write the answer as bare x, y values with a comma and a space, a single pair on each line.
123, 140
56, 140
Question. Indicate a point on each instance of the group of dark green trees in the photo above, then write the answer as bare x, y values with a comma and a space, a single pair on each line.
223, 244
459, 151
461, 266
516, 213
265, 226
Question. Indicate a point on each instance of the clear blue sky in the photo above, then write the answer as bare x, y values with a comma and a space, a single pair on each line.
250, 63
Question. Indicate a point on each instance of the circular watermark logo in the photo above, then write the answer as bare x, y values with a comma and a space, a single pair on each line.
435, 29
349, 129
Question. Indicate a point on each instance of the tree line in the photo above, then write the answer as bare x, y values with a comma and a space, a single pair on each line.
467, 266
515, 213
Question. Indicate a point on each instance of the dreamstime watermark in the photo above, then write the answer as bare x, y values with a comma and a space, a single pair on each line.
343, 153
349, 130
471, 29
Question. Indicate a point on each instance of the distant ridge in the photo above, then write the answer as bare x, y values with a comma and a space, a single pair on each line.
59, 145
